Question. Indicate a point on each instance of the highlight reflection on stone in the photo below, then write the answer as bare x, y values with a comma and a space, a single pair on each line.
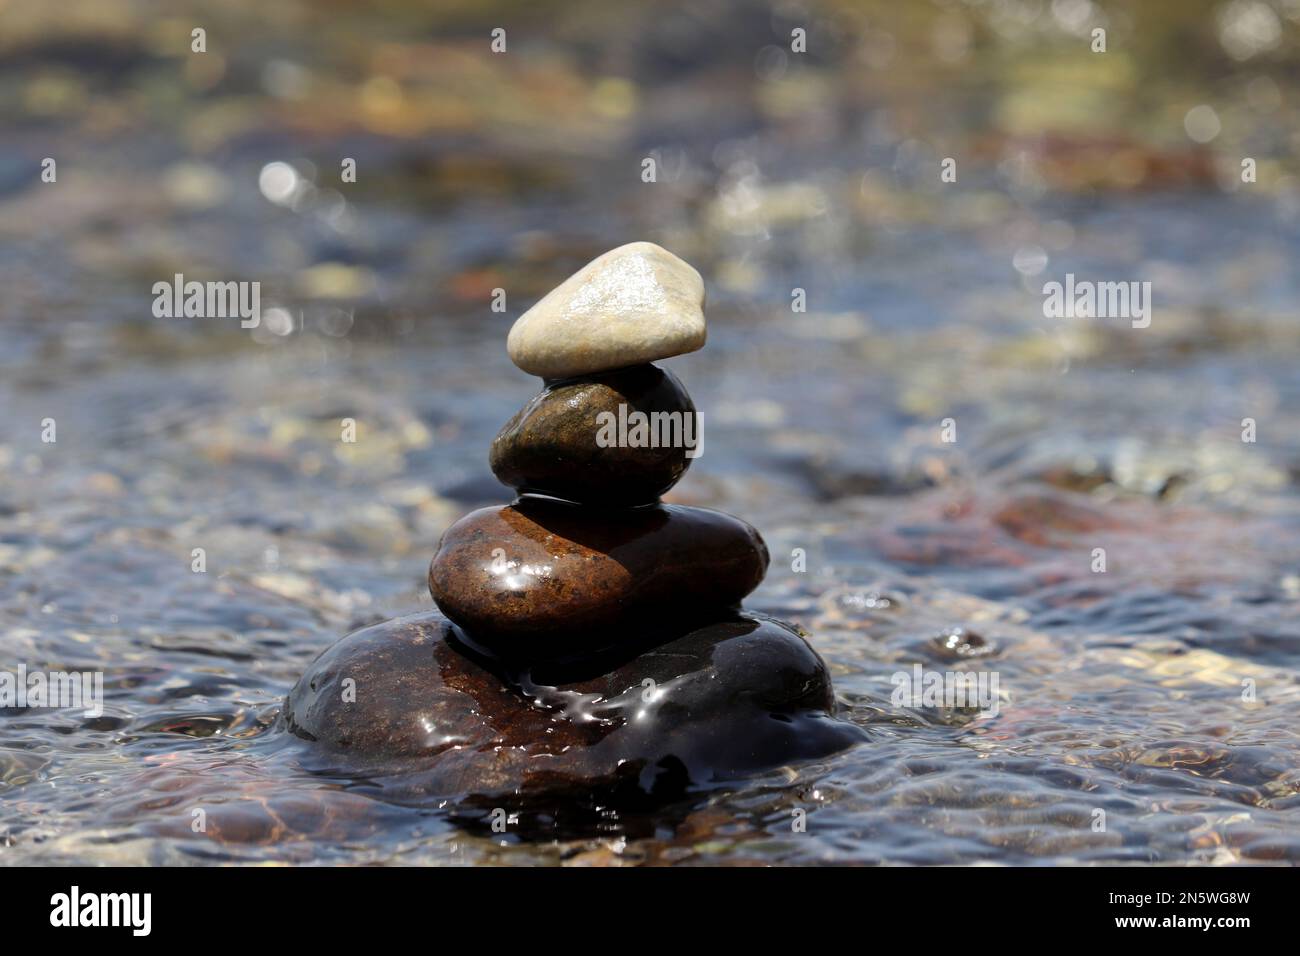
590, 638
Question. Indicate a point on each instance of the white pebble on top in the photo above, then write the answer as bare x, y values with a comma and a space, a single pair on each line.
634, 304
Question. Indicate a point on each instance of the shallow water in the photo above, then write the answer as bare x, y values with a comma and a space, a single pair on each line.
1120, 691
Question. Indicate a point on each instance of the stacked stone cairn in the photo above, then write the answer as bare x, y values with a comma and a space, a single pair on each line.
590, 636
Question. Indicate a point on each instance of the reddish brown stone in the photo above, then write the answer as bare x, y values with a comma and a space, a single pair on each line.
543, 576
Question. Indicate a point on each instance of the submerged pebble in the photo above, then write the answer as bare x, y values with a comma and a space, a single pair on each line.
410, 700
957, 643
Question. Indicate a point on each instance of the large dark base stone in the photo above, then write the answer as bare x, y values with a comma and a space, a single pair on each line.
410, 706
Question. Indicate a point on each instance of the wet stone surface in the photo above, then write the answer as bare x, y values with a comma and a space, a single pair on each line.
543, 576
553, 445
409, 706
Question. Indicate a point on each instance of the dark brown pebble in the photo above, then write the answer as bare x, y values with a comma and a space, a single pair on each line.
550, 447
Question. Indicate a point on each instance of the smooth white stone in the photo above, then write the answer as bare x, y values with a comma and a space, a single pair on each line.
634, 304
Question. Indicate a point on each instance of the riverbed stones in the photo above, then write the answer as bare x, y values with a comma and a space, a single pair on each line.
543, 575
634, 304
590, 639
566, 441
